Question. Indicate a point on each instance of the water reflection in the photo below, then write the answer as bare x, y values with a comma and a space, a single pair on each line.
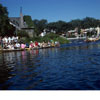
14, 65
72, 67
4, 71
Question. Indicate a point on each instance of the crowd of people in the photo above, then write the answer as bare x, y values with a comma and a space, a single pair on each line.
14, 43
8, 42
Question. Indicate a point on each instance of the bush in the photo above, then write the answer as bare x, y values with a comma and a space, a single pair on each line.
23, 34
51, 36
62, 40
46, 38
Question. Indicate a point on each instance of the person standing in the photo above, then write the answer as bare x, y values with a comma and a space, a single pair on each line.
9, 39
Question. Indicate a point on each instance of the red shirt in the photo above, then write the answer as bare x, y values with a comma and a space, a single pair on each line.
36, 43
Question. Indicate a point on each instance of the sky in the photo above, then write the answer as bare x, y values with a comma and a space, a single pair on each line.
54, 10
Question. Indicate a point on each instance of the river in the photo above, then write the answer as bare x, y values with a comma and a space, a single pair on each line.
74, 66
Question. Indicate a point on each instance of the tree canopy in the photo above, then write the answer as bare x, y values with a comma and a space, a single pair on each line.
5, 27
29, 21
39, 25
62, 27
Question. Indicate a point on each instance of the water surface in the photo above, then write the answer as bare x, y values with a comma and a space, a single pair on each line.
74, 66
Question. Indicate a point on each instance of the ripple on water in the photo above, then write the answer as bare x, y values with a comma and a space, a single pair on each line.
74, 66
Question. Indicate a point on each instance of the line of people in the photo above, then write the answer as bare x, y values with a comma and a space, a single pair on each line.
36, 44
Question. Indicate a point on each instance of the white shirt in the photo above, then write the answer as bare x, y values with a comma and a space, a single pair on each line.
6, 40
9, 39
17, 45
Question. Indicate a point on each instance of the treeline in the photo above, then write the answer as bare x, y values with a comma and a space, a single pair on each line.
62, 26
59, 27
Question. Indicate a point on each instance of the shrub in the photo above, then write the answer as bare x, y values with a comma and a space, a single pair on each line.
46, 38
23, 34
62, 40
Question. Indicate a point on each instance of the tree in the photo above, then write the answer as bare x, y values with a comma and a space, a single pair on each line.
62, 27
59, 27
5, 27
4, 21
29, 21
90, 22
22, 33
51, 26
39, 25
76, 23
42, 24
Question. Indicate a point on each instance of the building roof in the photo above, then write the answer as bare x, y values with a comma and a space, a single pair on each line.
17, 22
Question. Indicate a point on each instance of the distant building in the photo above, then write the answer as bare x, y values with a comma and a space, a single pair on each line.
98, 31
20, 24
43, 33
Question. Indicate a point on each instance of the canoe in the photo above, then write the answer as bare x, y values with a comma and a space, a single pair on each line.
37, 48
9, 50
92, 39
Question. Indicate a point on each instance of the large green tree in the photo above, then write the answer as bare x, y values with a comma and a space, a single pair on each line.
85, 23
40, 25
29, 21
76, 23
4, 21
60, 26
90, 22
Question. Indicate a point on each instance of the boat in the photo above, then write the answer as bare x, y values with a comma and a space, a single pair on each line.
37, 48
92, 39
10, 50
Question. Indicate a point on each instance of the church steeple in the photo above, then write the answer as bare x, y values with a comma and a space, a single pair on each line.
21, 18
20, 10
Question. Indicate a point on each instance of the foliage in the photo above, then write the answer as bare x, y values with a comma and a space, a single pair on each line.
62, 27
39, 25
22, 33
51, 36
5, 27
90, 22
85, 23
46, 38
76, 23
59, 26
29, 21
62, 40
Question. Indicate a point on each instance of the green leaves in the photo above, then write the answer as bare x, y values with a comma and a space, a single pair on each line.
29, 21
4, 21
39, 25
46, 38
